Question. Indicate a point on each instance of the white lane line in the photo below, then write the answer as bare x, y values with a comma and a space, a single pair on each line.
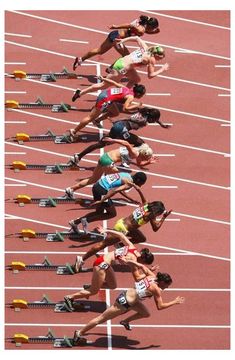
15, 153
166, 155
15, 92
20, 35
121, 326
184, 19
37, 221
164, 187
74, 41
117, 289
15, 122
185, 51
147, 172
104, 32
105, 64
154, 124
222, 66
201, 218
15, 185
224, 95
15, 63
158, 94
188, 252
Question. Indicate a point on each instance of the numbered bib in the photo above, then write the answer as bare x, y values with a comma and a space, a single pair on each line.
111, 178
115, 91
104, 266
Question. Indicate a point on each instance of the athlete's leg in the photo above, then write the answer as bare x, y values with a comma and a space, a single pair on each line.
136, 236
141, 312
103, 48
112, 312
133, 78
95, 112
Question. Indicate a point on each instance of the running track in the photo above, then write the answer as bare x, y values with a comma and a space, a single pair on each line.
192, 176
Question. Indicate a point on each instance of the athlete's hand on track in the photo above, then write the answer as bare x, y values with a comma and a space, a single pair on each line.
167, 213
179, 300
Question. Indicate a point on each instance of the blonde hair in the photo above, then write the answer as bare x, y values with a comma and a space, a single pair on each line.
145, 150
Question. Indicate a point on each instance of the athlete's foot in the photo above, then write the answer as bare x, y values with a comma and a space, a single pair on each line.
126, 325
84, 223
76, 95
69, 302
78, 264
69, 193
74, 227
125, 165
74, 160
97, 123
77, 62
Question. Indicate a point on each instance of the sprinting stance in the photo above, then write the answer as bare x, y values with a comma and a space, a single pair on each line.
150, 286
140, 26
106, 102
106, 164
121, 129
130, 225
103, 190
126, 67
103, 271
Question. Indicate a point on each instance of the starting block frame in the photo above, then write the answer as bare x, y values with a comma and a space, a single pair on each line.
49, 338
46, 265
23, 199
46, 303
49, 136
45, 77
17, 166
59, 236
39, 104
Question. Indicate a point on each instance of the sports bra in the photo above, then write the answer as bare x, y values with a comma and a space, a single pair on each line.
123, 251
142, 286
139, 215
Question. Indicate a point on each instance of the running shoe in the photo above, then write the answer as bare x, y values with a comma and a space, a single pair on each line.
77, 62
84, 223
76, 95
125, 324
74, 226
125, 165
74, 160
78, 264
97, 124
69, 303
86, 286
69, 193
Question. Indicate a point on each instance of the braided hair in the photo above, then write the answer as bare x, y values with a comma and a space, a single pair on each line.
146, 256
150, 22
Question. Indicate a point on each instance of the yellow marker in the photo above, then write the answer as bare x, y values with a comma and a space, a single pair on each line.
17, 265
20, 165
23, 199
11, 104
22, 137
28, 233
19, 303
19, 74
21, 338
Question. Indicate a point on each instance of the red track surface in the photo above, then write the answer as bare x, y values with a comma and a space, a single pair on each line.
193, 245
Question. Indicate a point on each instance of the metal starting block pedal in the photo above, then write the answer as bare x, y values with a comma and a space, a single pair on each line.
48, 77
45, 303
58, 236
46, 265
39, 104
58, 139
48, 169
50, 338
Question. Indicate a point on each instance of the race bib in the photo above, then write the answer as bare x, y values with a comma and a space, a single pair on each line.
112, 178
115, 91
104, 266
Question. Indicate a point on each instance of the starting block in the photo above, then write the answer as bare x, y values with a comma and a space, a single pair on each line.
48, 169
23, 199
59, 236
49, 136
45, 303
46, 265
45, 77
39, 104
50, 338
